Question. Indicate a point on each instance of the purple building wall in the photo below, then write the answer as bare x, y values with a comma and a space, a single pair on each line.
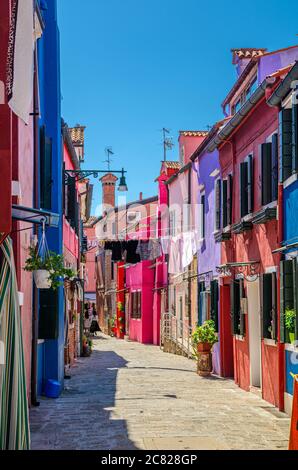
209, 254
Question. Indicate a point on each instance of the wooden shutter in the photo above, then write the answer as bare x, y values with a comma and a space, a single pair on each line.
243, 188
214, 303
71, 202
266, 304
139, 304
274, 306
45, 170
285, 153
224, 203
295, 137
235, 306
250, 184
217, 204
230, 199
48, 325
266, 151
241, 315
274, 162
286, 294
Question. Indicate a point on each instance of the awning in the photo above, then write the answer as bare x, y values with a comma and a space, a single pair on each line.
35, 216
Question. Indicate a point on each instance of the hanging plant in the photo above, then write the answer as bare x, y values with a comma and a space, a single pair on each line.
48, 271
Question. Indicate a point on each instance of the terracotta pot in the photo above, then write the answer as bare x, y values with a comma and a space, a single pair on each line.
204, 347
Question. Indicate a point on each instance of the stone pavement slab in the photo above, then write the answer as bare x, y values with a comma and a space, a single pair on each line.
130, 396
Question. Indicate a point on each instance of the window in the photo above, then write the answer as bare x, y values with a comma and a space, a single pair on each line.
203, 303
246, 186
288, 131
214, 294
269, 158
136, 305
227, 201
202, 217
251, 88
288, 295
172, 227
237, 314
269, 306
218, 199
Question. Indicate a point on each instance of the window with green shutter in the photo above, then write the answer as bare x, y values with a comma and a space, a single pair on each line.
48, 323
46, 179
214, 302
287, 299
243, 189
201, 288
218, 204
266, 159
285, 144
269, 306
230, 199
225, 203
294, 137
274, 165
250, 183
235, 306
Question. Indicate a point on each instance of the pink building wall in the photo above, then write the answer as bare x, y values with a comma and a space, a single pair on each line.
141, 277
90, 285
25, 178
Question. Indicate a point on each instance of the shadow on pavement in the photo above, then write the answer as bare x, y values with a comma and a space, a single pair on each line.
82, 418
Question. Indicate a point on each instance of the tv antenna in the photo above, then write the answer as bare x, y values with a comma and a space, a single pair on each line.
168, 143
109, 152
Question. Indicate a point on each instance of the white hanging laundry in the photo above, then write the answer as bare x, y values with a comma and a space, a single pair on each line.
165, 245
20, 60
187, 249
175, 259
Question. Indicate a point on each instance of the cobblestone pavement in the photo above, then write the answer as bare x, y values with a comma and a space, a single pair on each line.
131, 396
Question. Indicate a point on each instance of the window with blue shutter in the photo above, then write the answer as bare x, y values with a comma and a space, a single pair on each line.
46, 179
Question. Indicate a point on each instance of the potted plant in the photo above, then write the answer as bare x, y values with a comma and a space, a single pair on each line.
204, 338
290, 321
48, 272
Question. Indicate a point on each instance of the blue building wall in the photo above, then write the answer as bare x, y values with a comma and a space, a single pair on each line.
51, 353
291, 366
291, 213
290, 196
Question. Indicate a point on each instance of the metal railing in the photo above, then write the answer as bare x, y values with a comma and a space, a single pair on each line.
177, 333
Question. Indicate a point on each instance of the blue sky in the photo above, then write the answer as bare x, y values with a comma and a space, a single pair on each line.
131, 67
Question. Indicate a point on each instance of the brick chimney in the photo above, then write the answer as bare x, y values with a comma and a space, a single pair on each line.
108, 182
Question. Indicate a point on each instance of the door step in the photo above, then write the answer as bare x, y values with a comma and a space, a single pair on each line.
256, 390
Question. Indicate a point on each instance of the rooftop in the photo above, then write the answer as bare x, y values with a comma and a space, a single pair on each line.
193, 133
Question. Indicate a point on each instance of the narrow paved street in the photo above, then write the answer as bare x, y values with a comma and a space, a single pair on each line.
131, 396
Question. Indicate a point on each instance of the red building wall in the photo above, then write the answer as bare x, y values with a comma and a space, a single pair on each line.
256, 244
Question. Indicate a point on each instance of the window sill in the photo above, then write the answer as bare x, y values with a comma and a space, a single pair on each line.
291, 347
270, 342
240, 338
290, 180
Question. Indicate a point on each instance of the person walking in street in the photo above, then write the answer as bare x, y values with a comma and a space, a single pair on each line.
94, 328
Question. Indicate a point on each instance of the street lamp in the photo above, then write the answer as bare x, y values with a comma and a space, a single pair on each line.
122, 185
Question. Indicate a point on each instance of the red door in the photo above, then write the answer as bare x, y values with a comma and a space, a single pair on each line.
226, 337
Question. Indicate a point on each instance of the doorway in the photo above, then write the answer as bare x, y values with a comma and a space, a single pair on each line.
254, 325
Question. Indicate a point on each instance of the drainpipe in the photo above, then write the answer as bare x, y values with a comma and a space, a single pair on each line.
35, 306
280, 346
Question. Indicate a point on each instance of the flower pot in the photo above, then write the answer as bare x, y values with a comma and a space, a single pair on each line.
204, 366
204, 347
292, 338
41, 279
